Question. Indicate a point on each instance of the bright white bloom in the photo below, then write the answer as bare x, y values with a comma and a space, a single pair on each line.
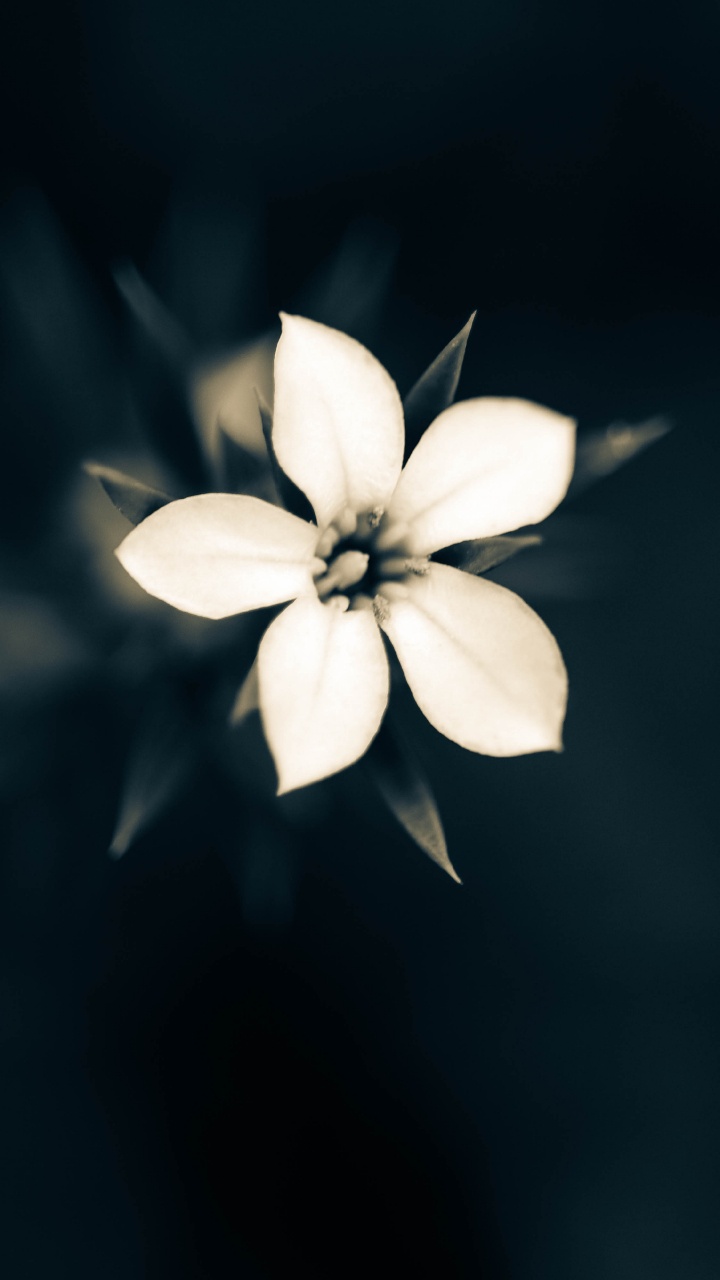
482, 666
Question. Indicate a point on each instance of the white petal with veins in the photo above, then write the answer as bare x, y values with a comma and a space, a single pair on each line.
217, 554
324, 681
482, 468
338, 426
482, 666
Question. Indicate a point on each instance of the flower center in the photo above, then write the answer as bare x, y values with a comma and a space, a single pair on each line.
344, 571
357, 568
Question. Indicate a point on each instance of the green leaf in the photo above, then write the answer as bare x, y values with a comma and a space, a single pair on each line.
159, 762
398, 777
599, 453
163, 361
132, 498
483, 554
292, 498
435, 390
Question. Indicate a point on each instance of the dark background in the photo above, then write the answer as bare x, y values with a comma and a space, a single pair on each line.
307, 1052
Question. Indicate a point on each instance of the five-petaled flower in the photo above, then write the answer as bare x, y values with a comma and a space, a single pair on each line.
482, 666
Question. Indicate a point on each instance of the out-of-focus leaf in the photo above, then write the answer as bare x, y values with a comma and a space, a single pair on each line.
208, 260
223, 390
265, 871
483, 554
350, 290
238, 469
292, 498
57, 337
159, 762
601, 452
164, 362
38, 650
581, 558
405, 790
248, 698
159, 325
435, 390
134, 499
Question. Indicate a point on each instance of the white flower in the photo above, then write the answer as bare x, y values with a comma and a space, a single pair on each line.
482, 666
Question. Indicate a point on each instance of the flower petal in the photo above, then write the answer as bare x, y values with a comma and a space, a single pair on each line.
484, 467
324, 682
221, 553
338, 422
481, 665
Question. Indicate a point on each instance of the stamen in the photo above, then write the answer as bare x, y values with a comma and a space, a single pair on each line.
383, 600
367, 523
381, 609
400, 566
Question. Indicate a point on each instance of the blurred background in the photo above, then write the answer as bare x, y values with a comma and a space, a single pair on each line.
268, 1040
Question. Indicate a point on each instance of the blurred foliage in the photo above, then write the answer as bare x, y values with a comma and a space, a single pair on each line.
271, 1039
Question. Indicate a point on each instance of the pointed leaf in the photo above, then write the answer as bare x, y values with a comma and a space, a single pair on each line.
435, 390
164, 358
133, 499
601, 452
485, 553
248, 698
159, 762
292, 498
238, 470
581, 558
401, 783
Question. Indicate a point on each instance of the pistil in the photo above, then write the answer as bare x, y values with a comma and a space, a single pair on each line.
344, 572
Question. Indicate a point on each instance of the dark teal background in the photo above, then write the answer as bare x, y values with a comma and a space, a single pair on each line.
318, 1056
